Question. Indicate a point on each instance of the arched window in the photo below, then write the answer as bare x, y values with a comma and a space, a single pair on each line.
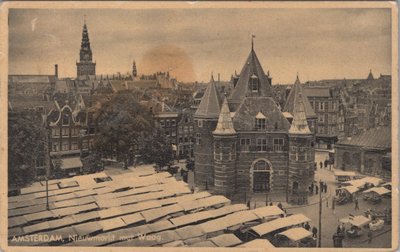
261, 165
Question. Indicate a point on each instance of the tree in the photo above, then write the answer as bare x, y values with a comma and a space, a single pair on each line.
27, 141
123, 124
157, 150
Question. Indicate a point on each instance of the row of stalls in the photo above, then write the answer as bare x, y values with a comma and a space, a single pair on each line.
372, 189
143, 208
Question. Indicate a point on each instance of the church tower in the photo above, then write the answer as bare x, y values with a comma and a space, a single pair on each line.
206, 118
301, 154
85, 66
225, 139
134, 71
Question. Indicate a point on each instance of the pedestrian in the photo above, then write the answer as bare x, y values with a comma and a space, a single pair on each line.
327, 203
307, 226
254, 206
280, 205
356, 204
320, 164
248, 204
312, 188
339, 229
325, 163
343, 229
316, 189
369, 236
192, 189
314, 232
271, 204
333, 203
326, 187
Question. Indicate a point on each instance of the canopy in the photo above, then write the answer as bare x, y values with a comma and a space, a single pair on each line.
296, 234
351, 189
267, 211
70, 163
378, 190
276, 224
359, 220
226, 240
257, 243
344, 173
372, 180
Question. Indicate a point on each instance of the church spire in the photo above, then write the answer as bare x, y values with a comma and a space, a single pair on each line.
85, 66
134, 70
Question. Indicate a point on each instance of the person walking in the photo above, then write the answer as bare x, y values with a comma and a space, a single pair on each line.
280, 205
248, 204
326, 187
314, 232
271, 204
369, 236
320, 164
192, 189
356, 204
325, 163
316, 189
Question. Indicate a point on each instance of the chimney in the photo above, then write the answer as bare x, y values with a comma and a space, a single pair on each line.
56, 70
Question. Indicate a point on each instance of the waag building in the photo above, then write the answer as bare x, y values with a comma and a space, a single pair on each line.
245, 143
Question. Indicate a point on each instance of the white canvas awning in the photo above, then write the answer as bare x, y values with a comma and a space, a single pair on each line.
276, 224
351, 189
70, 163
257, 243
296, 234
378, 190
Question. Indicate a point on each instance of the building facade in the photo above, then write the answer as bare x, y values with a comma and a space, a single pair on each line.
246, 144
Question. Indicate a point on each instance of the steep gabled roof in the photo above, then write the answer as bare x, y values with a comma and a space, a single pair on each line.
290, 102
252, 67
210, 104
246, 113
299, 122
225, 124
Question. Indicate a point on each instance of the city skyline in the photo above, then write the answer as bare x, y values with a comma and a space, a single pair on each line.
193, 43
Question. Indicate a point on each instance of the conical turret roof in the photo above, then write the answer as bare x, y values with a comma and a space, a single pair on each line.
299, 123
251, 68
210, 104
225, 124
290, 102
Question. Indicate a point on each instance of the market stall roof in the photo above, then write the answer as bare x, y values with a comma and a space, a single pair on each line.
373, 180
378, 190
296, 234
205, 244
167, 236
344, 173
226, 240
87, 228
71, 163
267, 211
351, 189
276, 224
189, 232
111, 224
132, 218
359, 220
257, 243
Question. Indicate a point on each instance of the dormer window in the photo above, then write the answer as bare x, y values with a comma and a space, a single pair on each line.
65, 120
261, 121
254, 83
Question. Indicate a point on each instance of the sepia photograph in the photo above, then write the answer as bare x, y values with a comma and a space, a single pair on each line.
246, 125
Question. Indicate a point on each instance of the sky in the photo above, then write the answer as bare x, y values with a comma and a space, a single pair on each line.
193, 43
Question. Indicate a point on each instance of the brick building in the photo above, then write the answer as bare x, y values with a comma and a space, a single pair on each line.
246, 144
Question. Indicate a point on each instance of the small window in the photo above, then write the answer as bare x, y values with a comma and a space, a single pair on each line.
65, 131
261, 144
162, 123
254, 83
167, 123
278, 144
173, 122
200, 123
260, 123
245, 144
198, 139
65, 120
